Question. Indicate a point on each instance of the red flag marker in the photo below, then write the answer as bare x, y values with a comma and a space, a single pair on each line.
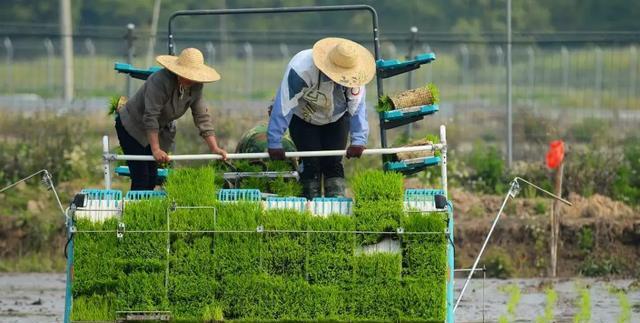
555, 155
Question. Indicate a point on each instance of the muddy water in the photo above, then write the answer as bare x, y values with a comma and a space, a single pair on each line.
40, 298
605, 306
32, 297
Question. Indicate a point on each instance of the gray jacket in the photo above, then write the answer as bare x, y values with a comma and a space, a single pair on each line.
158, 103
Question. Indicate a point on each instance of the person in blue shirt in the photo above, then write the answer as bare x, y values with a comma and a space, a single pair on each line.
321, 100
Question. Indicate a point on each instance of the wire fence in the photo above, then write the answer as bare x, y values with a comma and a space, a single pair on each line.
560, 81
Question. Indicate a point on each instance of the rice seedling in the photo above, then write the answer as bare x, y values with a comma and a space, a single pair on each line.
236, 261
284, 187
552, 298
514, 293
258, 183
192, 186
376, 185
94, 308
584, 307
426, 95
418, 247
112, 108
625, 308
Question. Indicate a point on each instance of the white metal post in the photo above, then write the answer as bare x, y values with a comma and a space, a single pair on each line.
633, 71
443, 157
464, 53
248, 51
211, 53
8, 46
509, 95
565, 70
497, 76
532, 73
66, 33
598, 78
89, 75
105, 163
48, 46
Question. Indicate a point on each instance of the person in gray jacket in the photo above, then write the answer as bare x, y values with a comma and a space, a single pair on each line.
146, 123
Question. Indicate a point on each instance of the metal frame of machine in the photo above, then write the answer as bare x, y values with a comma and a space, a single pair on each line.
111, 202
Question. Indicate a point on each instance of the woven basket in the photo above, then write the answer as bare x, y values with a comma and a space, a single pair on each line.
121, 102
412, 98
416, 154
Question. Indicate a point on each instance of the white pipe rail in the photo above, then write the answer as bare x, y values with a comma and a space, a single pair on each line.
321, 153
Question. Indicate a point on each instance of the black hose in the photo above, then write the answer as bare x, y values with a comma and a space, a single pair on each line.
66, 246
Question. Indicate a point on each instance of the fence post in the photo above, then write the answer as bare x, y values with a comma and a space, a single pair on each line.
532, 74
564, 52
499, 64
633, 73
248, 51
598, 83
464, 53
211, 53
90, 73
48, 46
284, 52
129, 37
8, 46
427, 49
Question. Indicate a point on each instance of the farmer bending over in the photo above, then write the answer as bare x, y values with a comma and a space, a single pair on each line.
321, 101
146, 123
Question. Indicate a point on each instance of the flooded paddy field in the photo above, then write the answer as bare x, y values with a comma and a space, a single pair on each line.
27, 298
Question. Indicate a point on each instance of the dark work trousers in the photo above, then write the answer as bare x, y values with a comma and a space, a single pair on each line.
143, 173
332, 136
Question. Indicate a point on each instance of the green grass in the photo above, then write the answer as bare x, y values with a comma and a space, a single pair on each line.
41, 262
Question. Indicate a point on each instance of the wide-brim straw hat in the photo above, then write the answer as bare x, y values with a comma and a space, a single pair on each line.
344, 61
190, 65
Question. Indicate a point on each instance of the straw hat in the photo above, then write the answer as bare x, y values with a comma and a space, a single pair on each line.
190, 65
344, 61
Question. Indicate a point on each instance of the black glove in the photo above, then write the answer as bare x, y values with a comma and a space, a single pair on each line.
354, 151
276, 153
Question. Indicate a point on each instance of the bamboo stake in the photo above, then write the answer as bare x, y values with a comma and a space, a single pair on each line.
555, 221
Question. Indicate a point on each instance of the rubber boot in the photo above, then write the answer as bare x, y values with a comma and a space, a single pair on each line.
310, 188
334, 187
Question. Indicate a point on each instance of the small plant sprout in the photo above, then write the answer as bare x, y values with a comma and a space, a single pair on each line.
584, 307
515, 295
625, 308
552, 298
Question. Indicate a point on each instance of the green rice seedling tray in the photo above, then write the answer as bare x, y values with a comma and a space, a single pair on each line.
200, 259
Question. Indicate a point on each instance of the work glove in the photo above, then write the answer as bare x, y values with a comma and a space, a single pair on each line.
354, 151
276, 153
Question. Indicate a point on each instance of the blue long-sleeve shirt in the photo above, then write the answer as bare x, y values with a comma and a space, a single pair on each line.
301, 73
279, 123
